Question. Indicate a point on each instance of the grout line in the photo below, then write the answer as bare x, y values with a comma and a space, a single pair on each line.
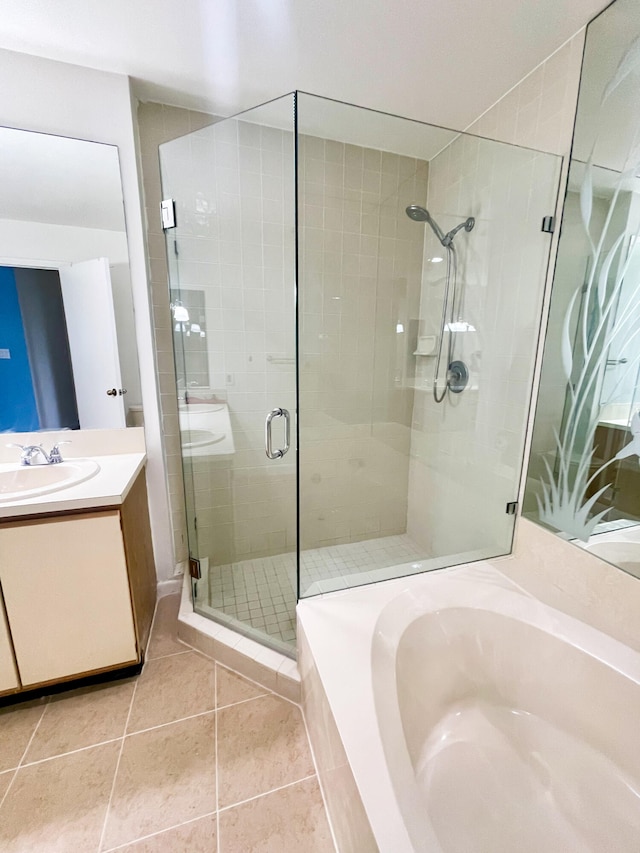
26, 750
320, 785
172, 722
117, 768
71, 752
127, 734
266, 793
15, 773
267, 690
159, 832
28, 746
216, 765
169, 655
243, 701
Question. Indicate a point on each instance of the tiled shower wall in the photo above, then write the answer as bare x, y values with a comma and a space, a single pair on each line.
360, 273
234, 191
467, 452
360, 284
538, 112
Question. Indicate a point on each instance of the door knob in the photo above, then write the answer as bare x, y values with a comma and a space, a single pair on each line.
112, 392
122, 391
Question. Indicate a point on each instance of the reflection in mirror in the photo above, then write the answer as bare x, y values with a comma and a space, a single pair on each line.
189, 320
584, 474
68, 355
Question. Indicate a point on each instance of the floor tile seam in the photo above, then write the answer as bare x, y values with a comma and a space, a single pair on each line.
223, 809
69, 752
9, 786
33, 733
245, 677
262, 687
126, 844
119, 759
169, 723
184, 651
245, 701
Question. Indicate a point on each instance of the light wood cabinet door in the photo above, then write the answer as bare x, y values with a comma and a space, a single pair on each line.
8, 673
67, 596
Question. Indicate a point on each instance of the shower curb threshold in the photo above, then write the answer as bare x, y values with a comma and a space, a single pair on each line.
269, 668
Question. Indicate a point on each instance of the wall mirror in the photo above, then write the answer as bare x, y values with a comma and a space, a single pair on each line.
583, 480
68, 354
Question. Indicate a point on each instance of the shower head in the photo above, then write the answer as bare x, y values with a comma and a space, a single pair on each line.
418, 214
421, 214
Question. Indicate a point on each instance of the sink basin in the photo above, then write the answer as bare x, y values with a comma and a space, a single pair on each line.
200, 408
199, 437
20, 482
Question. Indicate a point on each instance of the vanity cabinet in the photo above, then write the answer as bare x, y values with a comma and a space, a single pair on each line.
8, 673
79, 590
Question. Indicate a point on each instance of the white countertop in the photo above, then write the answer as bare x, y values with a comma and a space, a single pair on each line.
109, 487
620, 423
205, 421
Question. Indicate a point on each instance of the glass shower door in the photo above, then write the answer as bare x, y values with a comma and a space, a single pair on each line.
231, 256
422, 263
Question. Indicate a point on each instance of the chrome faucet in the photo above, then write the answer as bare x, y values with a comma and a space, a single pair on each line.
30, 451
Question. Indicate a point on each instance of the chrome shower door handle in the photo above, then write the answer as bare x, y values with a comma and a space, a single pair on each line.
268, 447
268, 444
287, 430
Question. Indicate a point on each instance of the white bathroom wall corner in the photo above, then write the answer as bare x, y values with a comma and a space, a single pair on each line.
69, 100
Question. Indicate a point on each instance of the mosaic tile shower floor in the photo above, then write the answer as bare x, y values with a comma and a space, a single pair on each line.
261, 593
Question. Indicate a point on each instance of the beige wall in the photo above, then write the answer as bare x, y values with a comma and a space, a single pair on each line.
361, 261
539, 112
158, 123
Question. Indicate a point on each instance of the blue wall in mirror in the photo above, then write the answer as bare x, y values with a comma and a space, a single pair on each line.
18, 411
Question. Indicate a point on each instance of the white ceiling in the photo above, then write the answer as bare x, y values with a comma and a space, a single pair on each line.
442, 61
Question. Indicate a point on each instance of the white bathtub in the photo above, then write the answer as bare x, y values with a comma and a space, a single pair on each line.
620, 547
472, 718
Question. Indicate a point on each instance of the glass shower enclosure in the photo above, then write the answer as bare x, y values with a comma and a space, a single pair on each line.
356, 301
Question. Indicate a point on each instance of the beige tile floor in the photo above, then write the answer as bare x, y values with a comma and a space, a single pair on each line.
188, 757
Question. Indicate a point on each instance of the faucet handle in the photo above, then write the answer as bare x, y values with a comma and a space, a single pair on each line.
28, 450
55, 456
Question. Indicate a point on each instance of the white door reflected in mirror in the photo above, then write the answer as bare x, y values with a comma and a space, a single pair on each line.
91, 328
62, 213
